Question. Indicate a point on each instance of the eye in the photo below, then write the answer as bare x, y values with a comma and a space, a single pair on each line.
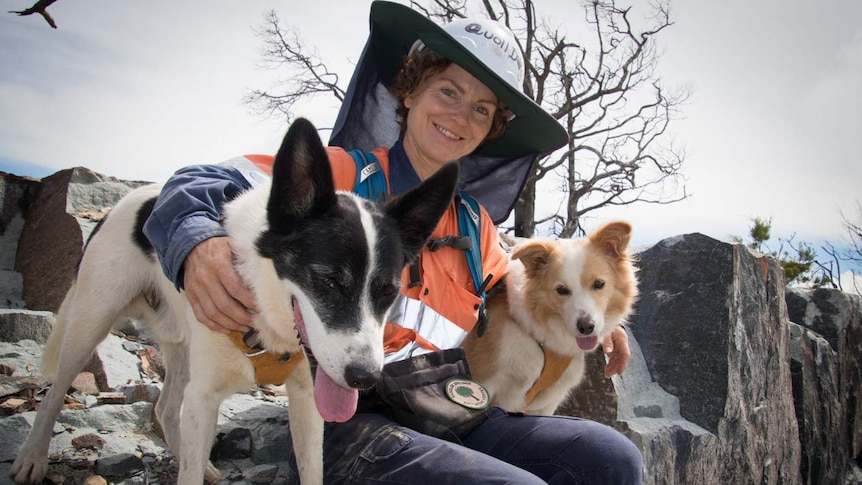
329, 282
449, 93
482, 110
598, 284
562, 290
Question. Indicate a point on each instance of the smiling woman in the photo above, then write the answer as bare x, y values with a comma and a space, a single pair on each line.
449, 115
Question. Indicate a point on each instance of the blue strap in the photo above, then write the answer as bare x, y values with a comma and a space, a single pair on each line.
470, 225
370, 180
371, 184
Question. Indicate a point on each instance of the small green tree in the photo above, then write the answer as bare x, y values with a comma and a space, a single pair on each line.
759, 232
799, 262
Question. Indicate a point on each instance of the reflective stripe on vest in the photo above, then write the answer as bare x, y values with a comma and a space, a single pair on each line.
425, 325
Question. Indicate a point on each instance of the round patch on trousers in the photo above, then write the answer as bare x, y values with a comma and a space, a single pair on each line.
467, 393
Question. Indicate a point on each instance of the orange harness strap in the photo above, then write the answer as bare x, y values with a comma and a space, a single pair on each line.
554, 367
396, 337
269, 367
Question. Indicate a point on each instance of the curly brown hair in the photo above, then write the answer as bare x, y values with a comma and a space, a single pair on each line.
418, 67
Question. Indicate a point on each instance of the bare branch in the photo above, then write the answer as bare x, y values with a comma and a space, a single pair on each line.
308, 75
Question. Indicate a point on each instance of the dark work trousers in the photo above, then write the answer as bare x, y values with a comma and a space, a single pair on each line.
505, 449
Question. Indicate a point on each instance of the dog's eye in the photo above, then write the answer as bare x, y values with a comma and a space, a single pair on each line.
598, 284
330, 282
562, 290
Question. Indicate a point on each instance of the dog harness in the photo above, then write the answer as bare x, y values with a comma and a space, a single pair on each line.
269, 367
554, 367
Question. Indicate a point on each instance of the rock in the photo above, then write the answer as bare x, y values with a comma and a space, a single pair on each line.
95, 480
232, 445
119, 465
58, 223
827, 377
23, 356
85, 382
712, 325
117, 366
140, 392
262, 474
11, 289
595, 398
16, 325
89, 440
16, 196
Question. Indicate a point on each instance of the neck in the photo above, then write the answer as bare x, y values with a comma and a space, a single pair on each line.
423, 167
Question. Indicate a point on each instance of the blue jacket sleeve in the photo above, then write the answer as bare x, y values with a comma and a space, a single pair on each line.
188, 211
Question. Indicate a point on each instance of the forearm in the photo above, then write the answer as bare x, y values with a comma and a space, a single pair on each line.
188, 211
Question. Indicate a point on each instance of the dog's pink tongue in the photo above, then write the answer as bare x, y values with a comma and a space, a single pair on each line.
588, 343
334, 403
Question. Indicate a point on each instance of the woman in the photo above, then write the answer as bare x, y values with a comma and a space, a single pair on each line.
458, 97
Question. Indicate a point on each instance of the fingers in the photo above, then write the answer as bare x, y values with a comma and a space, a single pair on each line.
616, 345
215, 291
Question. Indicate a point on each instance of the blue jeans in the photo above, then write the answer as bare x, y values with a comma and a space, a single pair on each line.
504, 449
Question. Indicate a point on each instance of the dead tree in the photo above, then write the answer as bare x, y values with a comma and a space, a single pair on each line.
601, 85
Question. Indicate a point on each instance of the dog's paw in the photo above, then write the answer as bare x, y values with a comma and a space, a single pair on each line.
28, 469
212, 474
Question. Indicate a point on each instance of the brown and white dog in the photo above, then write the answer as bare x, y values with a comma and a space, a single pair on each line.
560, 299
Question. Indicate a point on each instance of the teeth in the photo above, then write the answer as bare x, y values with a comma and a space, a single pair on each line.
448, 133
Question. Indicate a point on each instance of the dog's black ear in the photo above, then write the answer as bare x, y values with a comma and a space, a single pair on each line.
301, 178
418, 211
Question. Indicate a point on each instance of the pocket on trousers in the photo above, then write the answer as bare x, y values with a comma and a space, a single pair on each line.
389, 441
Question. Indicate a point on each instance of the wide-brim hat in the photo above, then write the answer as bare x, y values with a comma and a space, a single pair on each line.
496, 172
531, 131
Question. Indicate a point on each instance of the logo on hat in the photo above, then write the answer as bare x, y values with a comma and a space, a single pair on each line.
509, 50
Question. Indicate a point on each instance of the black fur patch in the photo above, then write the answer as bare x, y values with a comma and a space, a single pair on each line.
93, 233
138, 235
153, 298
328, 257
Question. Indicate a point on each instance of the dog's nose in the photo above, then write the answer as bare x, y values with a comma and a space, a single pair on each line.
359, 377
586, 325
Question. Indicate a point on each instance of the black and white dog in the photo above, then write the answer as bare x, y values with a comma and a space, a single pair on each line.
320, 263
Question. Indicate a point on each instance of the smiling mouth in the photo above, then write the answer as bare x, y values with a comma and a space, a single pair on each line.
448, 134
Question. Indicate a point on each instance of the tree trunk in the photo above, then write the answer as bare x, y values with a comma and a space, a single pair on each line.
525, 210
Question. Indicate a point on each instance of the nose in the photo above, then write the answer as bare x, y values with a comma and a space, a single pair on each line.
585, 325
460, 112
359, 377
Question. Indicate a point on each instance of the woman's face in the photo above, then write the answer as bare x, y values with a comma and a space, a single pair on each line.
449, 115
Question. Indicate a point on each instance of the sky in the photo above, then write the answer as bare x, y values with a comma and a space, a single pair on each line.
137, 90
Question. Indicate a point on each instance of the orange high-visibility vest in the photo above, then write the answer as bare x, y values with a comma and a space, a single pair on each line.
446, 284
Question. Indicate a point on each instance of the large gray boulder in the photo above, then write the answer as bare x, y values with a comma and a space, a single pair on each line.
67, 207
18, 325
16, 196
827, 380
712, 326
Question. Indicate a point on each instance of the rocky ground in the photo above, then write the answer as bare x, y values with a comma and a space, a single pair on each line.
106, 432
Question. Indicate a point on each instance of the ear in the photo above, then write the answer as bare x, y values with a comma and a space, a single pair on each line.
613, 238
301, 178
535, 254
418, 211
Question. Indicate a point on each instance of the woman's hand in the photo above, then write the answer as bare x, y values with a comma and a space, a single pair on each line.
219, 298
616, 346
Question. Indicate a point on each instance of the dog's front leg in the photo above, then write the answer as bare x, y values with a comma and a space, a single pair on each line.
306, 426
